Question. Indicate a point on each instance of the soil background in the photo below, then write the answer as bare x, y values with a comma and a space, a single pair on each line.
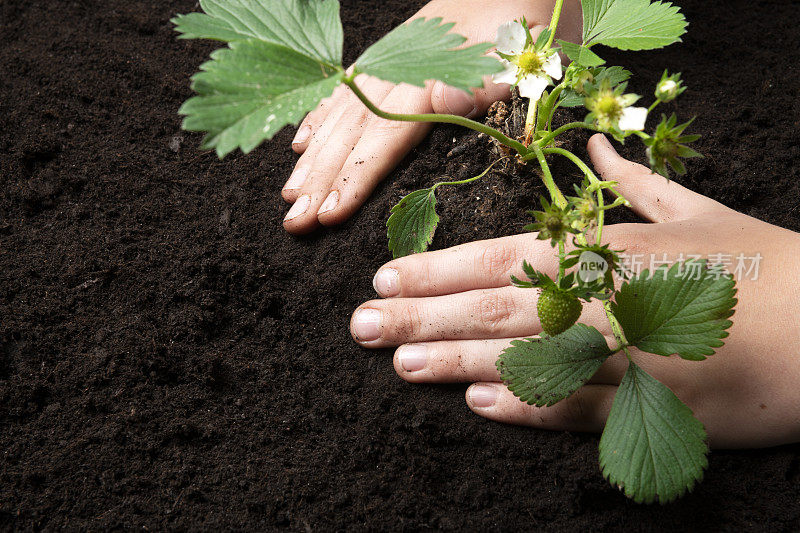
171, 358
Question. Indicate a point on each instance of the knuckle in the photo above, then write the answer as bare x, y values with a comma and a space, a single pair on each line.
452, 362
409, 321
494, 310
381, 130
631, 238
498, 259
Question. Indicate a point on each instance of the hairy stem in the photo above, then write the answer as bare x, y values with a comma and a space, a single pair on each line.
469, 180
544, 141
584, 168
549, 106
554, 22
555, 194
601, 215
436, 117
615, 326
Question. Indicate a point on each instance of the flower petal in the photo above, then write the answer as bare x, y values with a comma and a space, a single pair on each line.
633, 118
510, 38
553, 66
509, 75
532, 86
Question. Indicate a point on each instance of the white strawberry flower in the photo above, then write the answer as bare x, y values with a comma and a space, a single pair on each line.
527, 67
611, 109
632, 118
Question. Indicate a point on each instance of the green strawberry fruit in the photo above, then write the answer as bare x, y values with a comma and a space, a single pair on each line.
558, 310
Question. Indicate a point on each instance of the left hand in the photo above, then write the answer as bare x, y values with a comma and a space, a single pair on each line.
452, 312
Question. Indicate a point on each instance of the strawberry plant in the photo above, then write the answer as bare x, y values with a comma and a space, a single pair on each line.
283, 56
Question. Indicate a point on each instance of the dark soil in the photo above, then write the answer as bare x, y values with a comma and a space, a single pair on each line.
171, 358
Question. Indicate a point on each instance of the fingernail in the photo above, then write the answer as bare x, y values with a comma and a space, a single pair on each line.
299, 207
367, 325
386, 282
330, 202
297, 179
458, 102
482, 396
302, 134
413, 357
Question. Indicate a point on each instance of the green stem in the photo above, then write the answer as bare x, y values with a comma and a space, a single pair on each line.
555, 194
615, 327
561, 253
469, 180
436, 117
575, 159
585, 169
653, 106
554, 22
601, 212
548, 108
593, 179
544, 141
627, 354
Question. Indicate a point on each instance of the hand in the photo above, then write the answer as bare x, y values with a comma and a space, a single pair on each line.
453, 311
346, 151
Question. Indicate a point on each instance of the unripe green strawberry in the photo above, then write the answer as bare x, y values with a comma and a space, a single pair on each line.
558, 310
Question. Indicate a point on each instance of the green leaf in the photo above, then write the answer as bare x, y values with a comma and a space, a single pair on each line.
580, 54
311, 27
423, 50
249, 91
631, 24
652, 446
413, 221
615, 75
546, 370
683, 309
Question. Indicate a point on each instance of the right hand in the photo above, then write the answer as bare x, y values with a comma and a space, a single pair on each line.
451, 312
346, 150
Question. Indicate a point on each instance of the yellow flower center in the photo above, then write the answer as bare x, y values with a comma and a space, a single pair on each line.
608, 106
529, 62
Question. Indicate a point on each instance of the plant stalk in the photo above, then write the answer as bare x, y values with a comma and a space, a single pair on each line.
437, 117
544, 141
469, 180
547, 177
554, 22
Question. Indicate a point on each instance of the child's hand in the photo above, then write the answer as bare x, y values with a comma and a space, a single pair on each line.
453, 312
346, 150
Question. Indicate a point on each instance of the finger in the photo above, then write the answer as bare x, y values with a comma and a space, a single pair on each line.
302, 217
586, 410
449, 100
314, 120
344, 107
298, 177
480, 314
465, 361
322, 161
475, 265
651, 195
381, 146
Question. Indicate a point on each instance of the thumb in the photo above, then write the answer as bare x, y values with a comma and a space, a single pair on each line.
651, 195
446, 99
